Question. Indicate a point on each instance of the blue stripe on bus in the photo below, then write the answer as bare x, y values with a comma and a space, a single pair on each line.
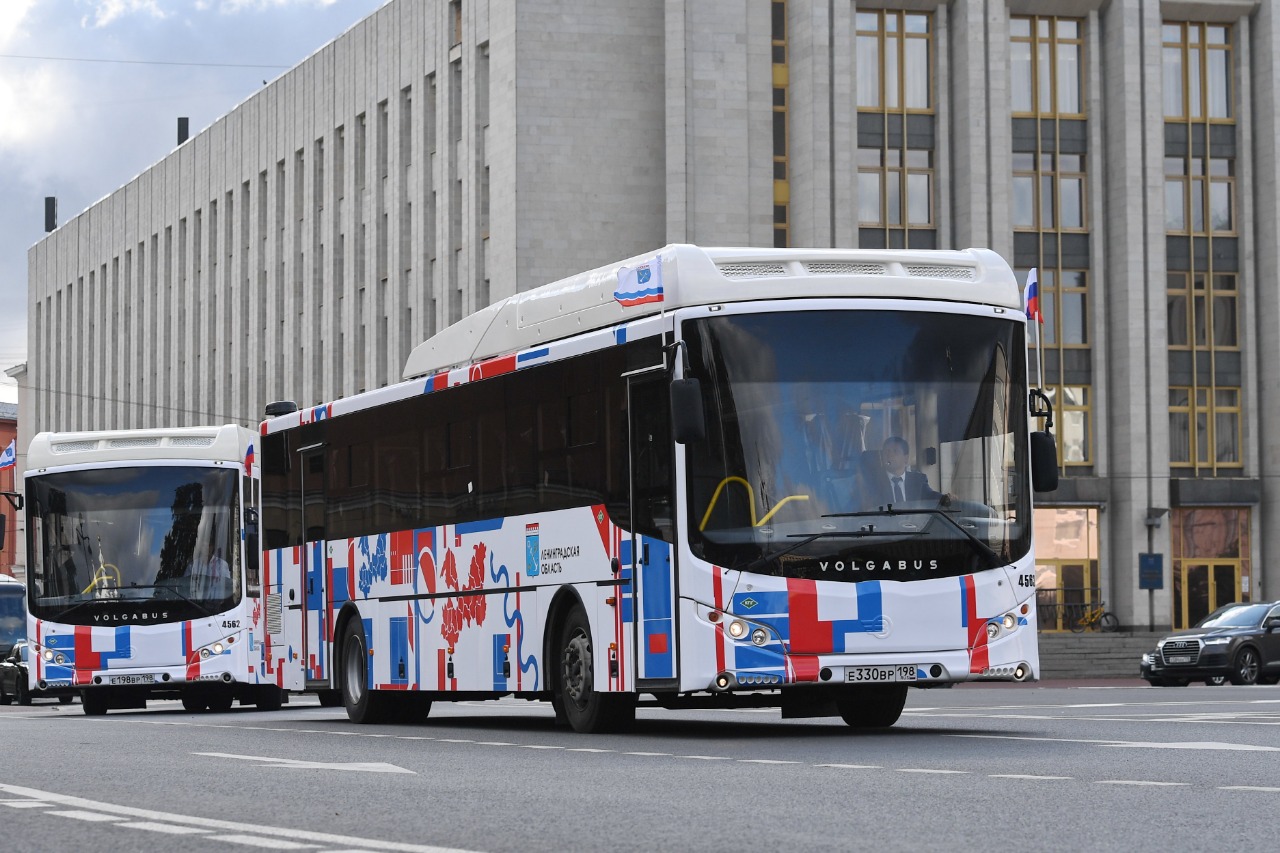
655, 604
964, 604
532, 354
620, 335
500, 642
486, 526
399, 650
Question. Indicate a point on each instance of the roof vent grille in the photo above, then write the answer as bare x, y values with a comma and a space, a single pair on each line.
934, 271
844, 268
124, 443
752, 270
74, 446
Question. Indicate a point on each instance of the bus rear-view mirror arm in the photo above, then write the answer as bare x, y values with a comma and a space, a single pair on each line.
1044, 450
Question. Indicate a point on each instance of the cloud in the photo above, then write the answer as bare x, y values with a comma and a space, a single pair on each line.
12, 14
232, 7
104, 12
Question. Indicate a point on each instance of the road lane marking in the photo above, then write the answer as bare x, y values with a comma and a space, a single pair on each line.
294, 764
92, 817
171, 829
1203, 745
1027, 776
278, 836
930, 770
764, 761
852, 766
1142, 782
253, 841
25, 804
706, 757
1249, 788
648, 754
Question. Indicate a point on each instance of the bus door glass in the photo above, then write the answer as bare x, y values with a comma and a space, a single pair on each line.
652, 527
313, 559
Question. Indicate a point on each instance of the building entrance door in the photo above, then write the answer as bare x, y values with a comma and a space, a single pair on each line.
1204, 588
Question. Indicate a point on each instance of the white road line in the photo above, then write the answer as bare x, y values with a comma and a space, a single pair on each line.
26, 804
706, 757
764, 761
169, 828
852, 766
254, 841
1027, 776
649, 754
92, 817
586, 749
928, 770
1142, 782
539, 746
1249, 788
275, 836
295, 764
1203, 745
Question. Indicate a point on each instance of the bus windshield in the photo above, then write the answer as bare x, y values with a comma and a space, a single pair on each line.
108, 540
858, 445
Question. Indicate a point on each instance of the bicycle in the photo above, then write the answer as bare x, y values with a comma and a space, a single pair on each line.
1097, 617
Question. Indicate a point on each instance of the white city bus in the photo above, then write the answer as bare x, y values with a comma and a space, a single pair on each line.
142, 578
673, 477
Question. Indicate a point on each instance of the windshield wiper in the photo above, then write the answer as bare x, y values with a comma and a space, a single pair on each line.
978, 545
773, 556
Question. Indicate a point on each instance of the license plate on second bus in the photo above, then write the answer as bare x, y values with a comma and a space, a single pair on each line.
880, 674
133, 679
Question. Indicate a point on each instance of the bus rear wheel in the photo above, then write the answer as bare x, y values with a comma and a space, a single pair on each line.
586, 709
363, 704
874, 706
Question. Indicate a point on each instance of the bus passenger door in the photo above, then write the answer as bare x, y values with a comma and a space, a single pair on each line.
312, 611
652, 530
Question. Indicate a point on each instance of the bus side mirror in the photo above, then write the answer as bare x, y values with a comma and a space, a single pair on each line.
687, 422
1044, 462
251, 521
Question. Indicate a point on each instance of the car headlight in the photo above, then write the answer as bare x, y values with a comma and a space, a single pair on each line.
1216, 641
1147, 657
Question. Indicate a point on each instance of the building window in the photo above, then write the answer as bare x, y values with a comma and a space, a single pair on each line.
896, 133
1203, 311
1048, 192
1204, 428
1047, 75
894, 64
1199, 195
781, 179
1197, 71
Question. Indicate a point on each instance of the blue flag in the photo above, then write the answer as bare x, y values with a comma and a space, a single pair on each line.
10, 456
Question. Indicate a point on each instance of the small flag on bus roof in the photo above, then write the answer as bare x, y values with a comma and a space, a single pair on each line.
1032, 297
639, 284
9, 457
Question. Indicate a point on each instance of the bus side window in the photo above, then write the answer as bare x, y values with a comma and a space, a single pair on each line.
252, 547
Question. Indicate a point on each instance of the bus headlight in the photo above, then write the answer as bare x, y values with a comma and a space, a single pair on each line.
204, 653
737, 629
48, 654
1009, 621
759, 636
59, 658
993, 630
217, 648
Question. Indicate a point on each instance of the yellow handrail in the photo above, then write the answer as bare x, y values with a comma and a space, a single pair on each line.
751, 502
102, 575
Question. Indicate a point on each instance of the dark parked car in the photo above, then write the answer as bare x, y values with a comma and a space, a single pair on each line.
13, 680
1240, 642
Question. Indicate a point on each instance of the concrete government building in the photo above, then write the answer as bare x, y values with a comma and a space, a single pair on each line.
443, 154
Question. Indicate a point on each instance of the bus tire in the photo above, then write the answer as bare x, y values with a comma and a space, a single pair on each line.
270, 698
23, 691
363, 704
94, 702
587, 710
194, 702
874, 706
221, 700
330, 698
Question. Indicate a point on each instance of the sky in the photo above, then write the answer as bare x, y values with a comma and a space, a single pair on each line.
91, 92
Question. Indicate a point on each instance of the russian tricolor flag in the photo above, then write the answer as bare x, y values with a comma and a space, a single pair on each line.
1031, 297
248, 462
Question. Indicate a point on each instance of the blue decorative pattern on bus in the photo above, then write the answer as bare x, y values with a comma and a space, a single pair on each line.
657, 630
532, 355
399, 649
514, 619
375, 566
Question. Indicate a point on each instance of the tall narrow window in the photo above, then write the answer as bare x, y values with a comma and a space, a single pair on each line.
1049, 212
896, 130
1203, 259
781, 77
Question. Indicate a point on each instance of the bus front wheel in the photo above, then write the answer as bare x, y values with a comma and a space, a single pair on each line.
586, 709
875, 706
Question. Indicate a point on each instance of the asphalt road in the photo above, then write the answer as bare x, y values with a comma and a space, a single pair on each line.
1028, 768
